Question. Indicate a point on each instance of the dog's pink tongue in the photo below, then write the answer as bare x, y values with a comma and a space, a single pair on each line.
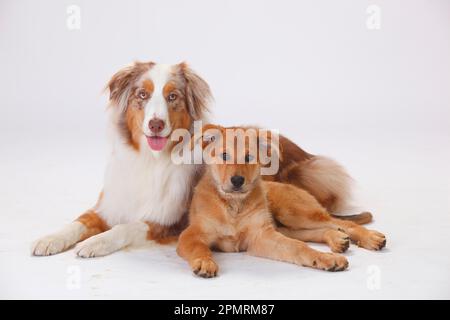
157, 143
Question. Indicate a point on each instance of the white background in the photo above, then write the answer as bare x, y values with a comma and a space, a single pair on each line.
378, 101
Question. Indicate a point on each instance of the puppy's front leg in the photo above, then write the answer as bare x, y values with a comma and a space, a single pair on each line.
193, 246
271, 244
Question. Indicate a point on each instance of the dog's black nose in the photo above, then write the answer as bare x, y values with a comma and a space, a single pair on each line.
237, 181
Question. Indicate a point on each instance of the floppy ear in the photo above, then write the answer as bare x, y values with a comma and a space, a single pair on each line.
197, 92
122, 82
270, 141
209, 134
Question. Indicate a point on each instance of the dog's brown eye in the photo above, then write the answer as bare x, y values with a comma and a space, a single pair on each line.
248, 158
172, 97
142, 94
225, 156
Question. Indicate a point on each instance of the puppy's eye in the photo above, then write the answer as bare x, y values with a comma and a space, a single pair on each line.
172, 97
225, 156
248, 158
142, 94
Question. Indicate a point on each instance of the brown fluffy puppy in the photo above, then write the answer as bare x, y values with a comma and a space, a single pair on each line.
230, 212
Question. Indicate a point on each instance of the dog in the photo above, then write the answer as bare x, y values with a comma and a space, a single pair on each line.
233, 209
146, 195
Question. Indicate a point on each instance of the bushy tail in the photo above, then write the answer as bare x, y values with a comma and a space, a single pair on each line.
327, 181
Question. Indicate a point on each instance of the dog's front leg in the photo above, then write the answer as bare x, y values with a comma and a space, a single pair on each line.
120, 236
87, 225
193, 246
271, 244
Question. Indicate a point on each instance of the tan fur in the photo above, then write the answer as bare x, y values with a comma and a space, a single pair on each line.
322, 177
360, 218
297, 209
179, 114
148, 86
166, 234
328, 181
93, 223
123, 80
241, 221
196, 91
134, 118
337, 241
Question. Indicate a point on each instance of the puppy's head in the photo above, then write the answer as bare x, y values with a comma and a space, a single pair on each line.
155, 99
234, 156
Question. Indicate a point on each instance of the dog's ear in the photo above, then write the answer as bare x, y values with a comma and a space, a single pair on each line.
209, 134
270, 142
122, 82
197, 92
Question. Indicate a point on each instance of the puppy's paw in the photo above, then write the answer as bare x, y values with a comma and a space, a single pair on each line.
96, 246
50, 245
330, 262
372, 240
337, 241
205, 267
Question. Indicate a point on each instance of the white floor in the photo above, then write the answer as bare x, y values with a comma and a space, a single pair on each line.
46, 183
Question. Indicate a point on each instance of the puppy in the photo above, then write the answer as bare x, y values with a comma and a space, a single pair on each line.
230, 211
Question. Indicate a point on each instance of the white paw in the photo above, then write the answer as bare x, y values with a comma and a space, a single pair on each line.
96, 246
50, 245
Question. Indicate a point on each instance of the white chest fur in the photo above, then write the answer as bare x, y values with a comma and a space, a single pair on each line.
141, 186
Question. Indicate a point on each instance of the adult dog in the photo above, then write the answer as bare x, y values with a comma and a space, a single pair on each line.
145, 195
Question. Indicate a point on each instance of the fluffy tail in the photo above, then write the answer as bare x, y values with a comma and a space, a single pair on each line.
327, 181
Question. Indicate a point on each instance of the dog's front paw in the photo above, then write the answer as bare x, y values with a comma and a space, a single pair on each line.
372, 240
96, 246
49, 245
330, 262
205, 267
337, 241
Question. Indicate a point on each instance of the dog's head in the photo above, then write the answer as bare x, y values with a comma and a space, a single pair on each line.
153, 100
235, 155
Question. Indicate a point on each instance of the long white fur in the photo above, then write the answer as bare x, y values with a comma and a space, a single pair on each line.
143, 186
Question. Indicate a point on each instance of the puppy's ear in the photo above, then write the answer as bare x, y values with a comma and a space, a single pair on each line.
122, 82
210, 133
270, 142
197, 92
